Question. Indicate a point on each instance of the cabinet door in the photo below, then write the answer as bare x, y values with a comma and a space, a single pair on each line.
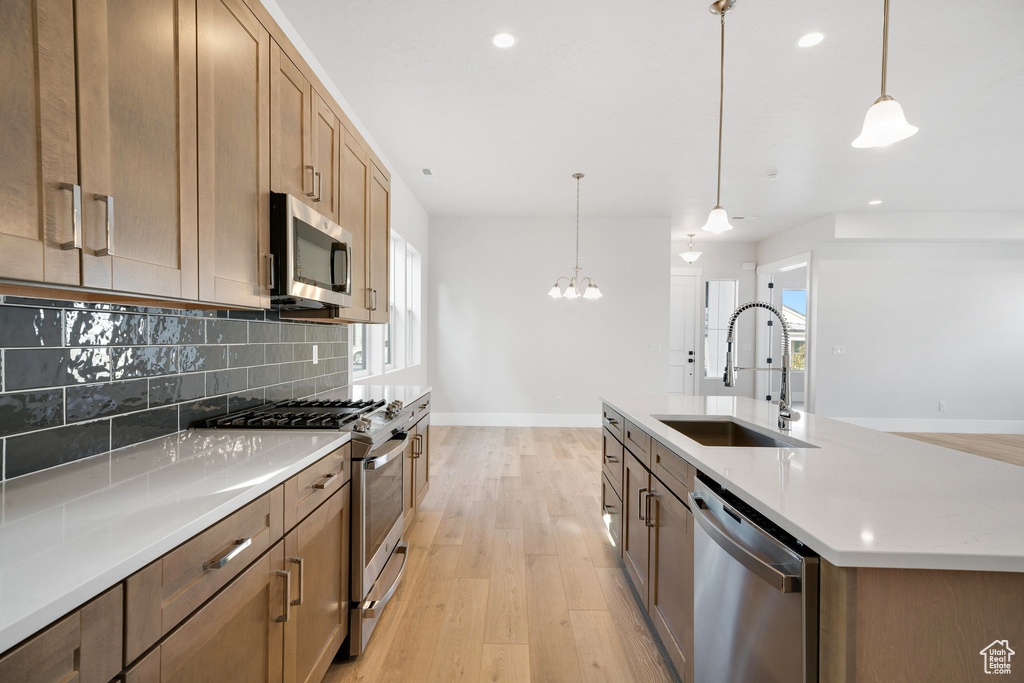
355, 217
233, 66
39, 144
236, 636
318, 624
421, 483
84, 647
380, 240
408, 479
635, 537
137, 148
291, 114
327, 134
670, 592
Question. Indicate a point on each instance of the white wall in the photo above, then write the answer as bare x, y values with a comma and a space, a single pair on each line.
921, 323
503, 350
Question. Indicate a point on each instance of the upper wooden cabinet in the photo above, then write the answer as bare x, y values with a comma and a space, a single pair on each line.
137, 148
355, 217
379, 238
291, 119
233, 66
38, 147
327, 136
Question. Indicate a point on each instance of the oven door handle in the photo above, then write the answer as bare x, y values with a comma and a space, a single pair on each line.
381, 460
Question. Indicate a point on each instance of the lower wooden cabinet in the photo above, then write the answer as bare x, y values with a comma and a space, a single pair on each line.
636, 482
421, 471
237, 636
670, 578
611, 511
84, 646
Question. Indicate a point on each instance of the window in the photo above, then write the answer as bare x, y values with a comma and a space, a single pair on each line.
794, 307
378, 349
719, 304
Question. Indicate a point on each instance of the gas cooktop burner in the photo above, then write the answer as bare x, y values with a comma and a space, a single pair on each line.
298, 414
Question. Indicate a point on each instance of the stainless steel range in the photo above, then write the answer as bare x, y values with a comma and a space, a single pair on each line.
379, 438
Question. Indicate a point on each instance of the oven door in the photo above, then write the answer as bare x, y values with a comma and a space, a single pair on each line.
316, 255
378, 555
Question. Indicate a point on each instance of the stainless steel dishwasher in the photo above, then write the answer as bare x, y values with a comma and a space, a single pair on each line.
755, 595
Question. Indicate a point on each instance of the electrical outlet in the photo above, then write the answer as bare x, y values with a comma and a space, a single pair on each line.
558, 400
654, 347
316, 355
942, 405
838, 350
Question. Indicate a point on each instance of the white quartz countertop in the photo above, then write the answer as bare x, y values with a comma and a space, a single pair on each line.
69, 533
862, 498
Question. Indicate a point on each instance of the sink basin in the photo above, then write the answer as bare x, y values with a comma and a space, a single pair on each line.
729, 434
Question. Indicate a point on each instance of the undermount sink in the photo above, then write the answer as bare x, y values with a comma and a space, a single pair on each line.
728, 434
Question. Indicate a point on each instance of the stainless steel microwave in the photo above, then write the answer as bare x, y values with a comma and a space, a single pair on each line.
312, 256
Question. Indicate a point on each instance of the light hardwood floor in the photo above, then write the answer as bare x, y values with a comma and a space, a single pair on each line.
512, 575
1006, 447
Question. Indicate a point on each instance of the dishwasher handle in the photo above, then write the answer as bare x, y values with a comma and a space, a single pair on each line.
771, 574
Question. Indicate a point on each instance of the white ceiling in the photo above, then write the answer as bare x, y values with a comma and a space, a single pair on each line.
626, 92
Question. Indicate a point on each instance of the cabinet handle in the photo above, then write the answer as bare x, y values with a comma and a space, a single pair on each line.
327, 481
109, 201
287, 595
228, 555
318, 185
423, 406
312, 177
647, 508
639, 504
302, 582
610, 459
609, 510
374, 299
76, 217
270, 269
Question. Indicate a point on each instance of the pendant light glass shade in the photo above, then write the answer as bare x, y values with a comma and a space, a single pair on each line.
592, 292
555, 292
691, 255
884, 124
570, 293
718, 221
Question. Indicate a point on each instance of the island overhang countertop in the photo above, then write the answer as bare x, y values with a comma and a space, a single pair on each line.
861, 498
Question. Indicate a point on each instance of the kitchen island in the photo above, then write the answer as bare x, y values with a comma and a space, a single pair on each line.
921, 547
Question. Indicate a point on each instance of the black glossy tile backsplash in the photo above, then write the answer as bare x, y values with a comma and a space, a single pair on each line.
78, 379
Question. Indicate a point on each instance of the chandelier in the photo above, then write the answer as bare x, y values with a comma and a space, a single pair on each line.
577, 286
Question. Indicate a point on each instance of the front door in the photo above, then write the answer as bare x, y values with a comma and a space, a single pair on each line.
682, 348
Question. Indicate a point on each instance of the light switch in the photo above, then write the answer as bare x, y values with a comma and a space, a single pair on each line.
316, 356
838, 350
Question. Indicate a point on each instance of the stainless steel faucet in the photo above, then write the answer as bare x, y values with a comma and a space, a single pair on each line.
786, 413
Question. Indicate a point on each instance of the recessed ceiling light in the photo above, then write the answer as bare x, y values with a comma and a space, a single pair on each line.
503, 40
875, 202
811, 39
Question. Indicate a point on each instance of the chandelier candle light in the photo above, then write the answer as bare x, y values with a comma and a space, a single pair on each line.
718, 220
884, 123
576, 283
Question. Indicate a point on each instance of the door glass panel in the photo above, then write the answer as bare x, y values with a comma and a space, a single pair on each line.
319, 260
719, 304
383, 502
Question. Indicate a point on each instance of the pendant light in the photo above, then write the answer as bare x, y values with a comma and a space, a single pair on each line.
691, 255
884, 123
576, 283
718, 219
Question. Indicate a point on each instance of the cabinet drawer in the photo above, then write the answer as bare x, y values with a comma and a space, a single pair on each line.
421, 408
84, 646
612, 456
638, 442
304, 492
611, 510
673, 471
162, 594
611, 421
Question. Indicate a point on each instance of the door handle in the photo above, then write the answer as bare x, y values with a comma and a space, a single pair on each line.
302, 583
76, 217
312, 177
287, 576
109, 201
639, 504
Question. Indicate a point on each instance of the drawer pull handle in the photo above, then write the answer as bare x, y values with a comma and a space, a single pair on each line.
76, 216
302, 582
287, 595
610, 459
327, 481
609, 510
640, 502
229, 554
312, 177
108, 201
647, 508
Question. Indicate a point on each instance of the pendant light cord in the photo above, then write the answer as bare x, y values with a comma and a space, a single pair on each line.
721, 105
577, 225
885, 44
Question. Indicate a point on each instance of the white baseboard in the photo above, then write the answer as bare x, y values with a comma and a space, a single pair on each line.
887, 424
516, 419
